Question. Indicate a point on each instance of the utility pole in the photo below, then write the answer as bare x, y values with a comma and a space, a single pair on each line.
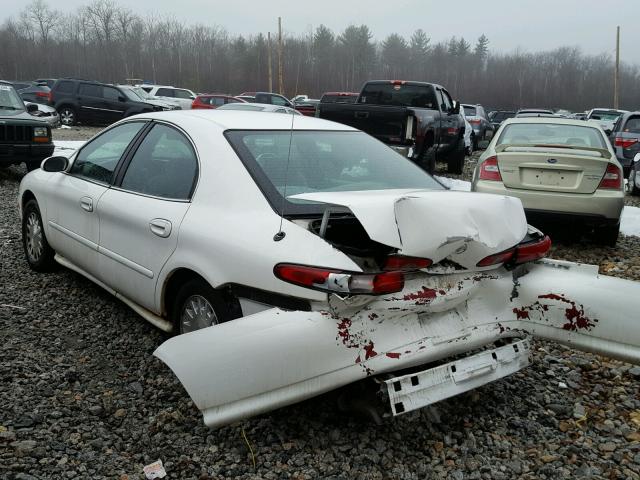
269, 60
616, 78
280, 79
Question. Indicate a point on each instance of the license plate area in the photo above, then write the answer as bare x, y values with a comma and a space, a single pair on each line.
540, 177
413, 391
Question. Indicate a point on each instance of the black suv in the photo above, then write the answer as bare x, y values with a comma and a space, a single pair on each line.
23, 138
625, 138
94, 102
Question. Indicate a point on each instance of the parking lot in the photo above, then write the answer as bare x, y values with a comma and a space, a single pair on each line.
83, 397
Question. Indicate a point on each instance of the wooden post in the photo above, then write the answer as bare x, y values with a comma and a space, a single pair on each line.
269, 60
280, 75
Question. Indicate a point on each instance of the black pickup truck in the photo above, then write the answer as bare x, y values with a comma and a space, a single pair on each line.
23, 137
417, 119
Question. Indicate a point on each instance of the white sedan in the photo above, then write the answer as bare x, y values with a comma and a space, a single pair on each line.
299, 255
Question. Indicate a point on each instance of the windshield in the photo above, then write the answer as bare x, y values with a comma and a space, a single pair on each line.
551, 134
9, 99
604, 115
142, 93
131, 94
323, 161
398, 94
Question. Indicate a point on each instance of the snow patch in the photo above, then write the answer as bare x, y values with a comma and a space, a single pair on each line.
454, 184
630, 221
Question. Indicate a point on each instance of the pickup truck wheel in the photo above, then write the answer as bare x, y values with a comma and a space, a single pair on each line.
427, 159
67, 116
198, 305
634, 182
455, 163
39, 254
607, 235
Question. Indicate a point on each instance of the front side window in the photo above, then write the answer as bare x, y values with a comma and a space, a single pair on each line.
447, 105
110, 94
65, 87
323, 161
98, 159
550, 134
164, 165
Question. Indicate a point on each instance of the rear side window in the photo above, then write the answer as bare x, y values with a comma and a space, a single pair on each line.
165, 165
275, 100
65, 87
165, 92
88, 90
98, 159
632, 125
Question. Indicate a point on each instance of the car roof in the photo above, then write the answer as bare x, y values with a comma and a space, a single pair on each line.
548, 119
242, 120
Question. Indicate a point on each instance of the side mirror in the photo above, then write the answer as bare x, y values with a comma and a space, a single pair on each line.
456, 108
55, 164
32, 107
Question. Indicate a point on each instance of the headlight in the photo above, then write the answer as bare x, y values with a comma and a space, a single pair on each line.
40, 132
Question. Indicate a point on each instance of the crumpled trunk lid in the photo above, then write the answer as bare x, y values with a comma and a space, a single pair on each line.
463, 227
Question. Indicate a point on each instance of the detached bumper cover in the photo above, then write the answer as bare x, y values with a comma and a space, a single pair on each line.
275, 358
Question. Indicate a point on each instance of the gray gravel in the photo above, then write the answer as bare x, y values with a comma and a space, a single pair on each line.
82, 397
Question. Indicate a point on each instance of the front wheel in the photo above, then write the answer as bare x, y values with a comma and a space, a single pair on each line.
37, 250
455, 163
68, 116
197, 305
427, 159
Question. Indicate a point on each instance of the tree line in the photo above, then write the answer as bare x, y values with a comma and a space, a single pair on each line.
108, 42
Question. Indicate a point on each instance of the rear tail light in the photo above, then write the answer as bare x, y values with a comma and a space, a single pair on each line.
42, 94
523, 253
336, 281
489, 170
612, 178
405, 264
452, 131
625, 142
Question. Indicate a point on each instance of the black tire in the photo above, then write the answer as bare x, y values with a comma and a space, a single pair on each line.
33, 165
427, 159
38, 252
68, 116
474, 142
455, 162
633, 182
197, 290
607, 235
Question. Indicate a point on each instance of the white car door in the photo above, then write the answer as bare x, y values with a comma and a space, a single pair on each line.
141, 215
71, 207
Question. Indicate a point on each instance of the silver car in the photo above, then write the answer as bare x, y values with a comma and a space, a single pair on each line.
560, 169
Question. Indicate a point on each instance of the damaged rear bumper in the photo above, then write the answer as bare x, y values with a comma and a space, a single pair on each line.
275, 358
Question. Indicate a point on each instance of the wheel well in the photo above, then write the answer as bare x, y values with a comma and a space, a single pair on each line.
173, 284
66, 105
26, 196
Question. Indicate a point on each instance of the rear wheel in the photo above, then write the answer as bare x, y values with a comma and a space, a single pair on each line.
198, 305
37, 250
427, 159
607, 235
67, 116
455, 163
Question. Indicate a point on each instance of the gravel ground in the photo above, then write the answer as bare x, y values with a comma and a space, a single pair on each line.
82, 397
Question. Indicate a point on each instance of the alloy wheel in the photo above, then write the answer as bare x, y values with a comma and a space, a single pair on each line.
67, 117
197, 313
35, 245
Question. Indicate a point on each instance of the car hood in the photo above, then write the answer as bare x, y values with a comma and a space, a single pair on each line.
463, 227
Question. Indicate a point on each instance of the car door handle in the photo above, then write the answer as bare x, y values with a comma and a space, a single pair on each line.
87, 204
160, 227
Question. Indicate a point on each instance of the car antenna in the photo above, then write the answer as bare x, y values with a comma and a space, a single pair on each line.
280, 235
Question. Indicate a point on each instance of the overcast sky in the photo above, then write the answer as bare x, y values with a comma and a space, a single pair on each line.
529, 24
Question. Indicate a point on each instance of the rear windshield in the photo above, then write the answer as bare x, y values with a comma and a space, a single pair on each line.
322, 161
339, 98
632, 125
551, 134
604, 115
500, 116
469, 111
399, 95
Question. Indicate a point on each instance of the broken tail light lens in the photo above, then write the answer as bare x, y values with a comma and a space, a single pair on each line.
625, 142
523, 253
489, 170
612, 178
401, 263
336, 281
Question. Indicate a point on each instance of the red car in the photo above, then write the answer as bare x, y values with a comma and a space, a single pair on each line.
211, 101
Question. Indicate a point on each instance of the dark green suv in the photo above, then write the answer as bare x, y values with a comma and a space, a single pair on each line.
23, 137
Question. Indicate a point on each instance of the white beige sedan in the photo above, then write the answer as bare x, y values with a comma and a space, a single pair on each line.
563, 170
